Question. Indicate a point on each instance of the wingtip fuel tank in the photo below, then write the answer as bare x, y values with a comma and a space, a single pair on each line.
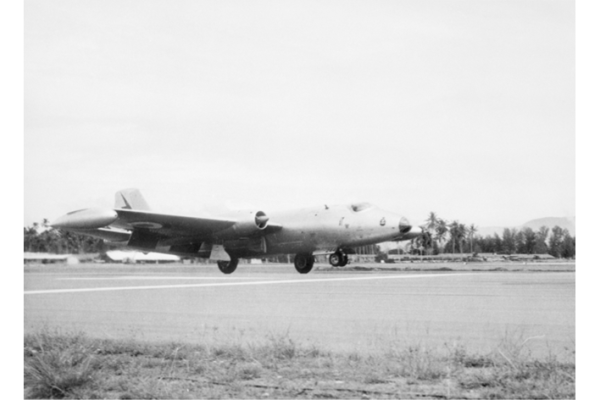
89, 218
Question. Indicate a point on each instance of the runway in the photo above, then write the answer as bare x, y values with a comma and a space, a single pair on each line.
338, 310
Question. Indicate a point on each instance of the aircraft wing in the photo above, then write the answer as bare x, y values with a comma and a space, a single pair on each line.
170, 225
132, 220
177, 228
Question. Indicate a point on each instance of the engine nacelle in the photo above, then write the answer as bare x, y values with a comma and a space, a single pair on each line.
247, 225
412, 233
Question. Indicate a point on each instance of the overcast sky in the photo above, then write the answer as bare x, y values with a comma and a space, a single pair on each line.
465, 108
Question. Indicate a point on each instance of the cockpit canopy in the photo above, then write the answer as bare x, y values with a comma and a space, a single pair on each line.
358, 207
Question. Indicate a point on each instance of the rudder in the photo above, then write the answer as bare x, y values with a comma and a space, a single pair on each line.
130, 199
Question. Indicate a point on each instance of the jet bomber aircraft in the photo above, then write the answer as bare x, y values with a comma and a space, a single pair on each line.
333, 230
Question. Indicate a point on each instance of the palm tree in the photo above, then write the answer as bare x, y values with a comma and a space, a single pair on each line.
458, 233
32, 238
540, 246
432, 222
26, 241
461, 234
453, 229
472, 230
441, 231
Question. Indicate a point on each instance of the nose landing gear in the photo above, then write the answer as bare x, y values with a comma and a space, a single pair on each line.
338, 259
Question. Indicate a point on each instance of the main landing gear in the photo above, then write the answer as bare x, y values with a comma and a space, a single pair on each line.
227, 267
338, 259
304, 263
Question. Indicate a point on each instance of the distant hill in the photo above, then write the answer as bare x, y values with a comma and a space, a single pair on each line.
550, 222
535, 224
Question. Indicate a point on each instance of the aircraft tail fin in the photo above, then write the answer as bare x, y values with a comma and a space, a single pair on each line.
130, 199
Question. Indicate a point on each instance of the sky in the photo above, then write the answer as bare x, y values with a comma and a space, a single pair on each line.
464, 108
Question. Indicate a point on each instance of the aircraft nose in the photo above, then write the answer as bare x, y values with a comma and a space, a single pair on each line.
90, 218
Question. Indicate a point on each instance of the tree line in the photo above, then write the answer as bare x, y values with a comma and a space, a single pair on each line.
40, 238
456, 237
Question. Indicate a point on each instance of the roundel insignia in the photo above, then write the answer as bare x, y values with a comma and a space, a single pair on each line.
382, 222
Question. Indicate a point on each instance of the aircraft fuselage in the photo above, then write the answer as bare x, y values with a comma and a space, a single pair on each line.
324, 229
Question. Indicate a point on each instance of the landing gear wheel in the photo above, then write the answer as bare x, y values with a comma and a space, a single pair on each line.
304, 263
227, 267
338, 259
335, 259
344, 260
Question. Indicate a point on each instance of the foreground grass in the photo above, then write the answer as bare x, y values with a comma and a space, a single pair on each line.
59, 365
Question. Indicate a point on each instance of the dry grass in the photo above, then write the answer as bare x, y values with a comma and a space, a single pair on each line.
57, 366
61, 365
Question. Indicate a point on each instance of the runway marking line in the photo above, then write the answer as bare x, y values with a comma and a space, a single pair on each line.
149, 278
217, 284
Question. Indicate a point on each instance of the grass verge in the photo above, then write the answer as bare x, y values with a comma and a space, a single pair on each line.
67, 365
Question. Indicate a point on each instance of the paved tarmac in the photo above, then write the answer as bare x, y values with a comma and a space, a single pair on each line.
338, 310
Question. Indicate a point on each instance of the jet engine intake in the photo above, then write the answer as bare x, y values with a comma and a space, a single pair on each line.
404, 226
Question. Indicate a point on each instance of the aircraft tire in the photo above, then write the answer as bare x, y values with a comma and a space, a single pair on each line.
336, 259
227, 267
304, 263
344, 260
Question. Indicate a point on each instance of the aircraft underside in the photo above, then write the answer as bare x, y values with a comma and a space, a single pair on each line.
303, 260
